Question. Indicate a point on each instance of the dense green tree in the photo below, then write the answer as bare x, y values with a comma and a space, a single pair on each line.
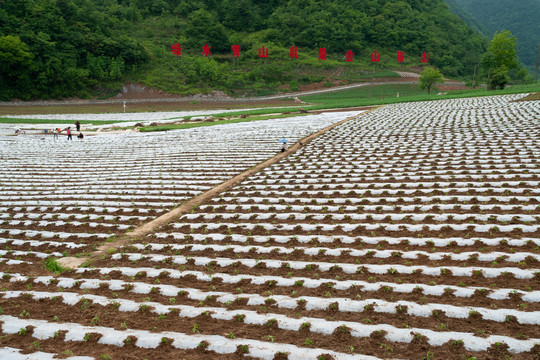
239, 15
429, 77
15, 59
62, 47
503, 48
500, 58
203, 28
499, 78
14, 55
186, 7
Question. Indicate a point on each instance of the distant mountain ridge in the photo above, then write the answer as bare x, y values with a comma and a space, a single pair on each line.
467, 17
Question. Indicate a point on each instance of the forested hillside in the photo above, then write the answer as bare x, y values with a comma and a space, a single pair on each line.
467, 17
521, 17
63, 48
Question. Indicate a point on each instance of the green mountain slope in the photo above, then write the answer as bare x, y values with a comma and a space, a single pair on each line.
470, 20
521, 17
62, 48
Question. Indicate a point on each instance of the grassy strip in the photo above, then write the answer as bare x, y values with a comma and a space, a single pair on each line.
379, 74
531, 97
387, 94
249, 112
212, 123
49, 121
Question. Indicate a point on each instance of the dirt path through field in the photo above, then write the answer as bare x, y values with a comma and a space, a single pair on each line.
222, 98
142, 231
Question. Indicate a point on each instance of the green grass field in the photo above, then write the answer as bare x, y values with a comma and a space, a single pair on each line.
361, 96
387, 94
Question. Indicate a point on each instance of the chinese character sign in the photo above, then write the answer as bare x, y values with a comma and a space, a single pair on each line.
235, 50
206, 50
263, 53
293, 52
176, 49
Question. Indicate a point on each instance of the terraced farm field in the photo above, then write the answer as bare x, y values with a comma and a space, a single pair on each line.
411, 232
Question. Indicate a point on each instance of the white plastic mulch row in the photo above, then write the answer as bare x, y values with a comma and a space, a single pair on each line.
92, 203
322, 326
97, 197
31, 253
38, 243
61, 223
470, 176
397, 171
367, 226
381, 254
434, 290
343, 239
51, 234
329, 209
344, 184
327, 266
51, 211
150, 340
350, 192
152, 182
64, 216
375, 200
321, 303
15, 354
364, 216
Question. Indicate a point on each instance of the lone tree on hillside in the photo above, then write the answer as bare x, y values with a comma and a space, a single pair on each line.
500, 58
429, 77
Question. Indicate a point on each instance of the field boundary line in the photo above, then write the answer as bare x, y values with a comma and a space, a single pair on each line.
143, 230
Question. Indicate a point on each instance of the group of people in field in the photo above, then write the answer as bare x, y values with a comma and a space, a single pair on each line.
68, 131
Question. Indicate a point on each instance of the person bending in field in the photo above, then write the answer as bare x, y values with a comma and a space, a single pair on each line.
78, 125
80, 136
68, 131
